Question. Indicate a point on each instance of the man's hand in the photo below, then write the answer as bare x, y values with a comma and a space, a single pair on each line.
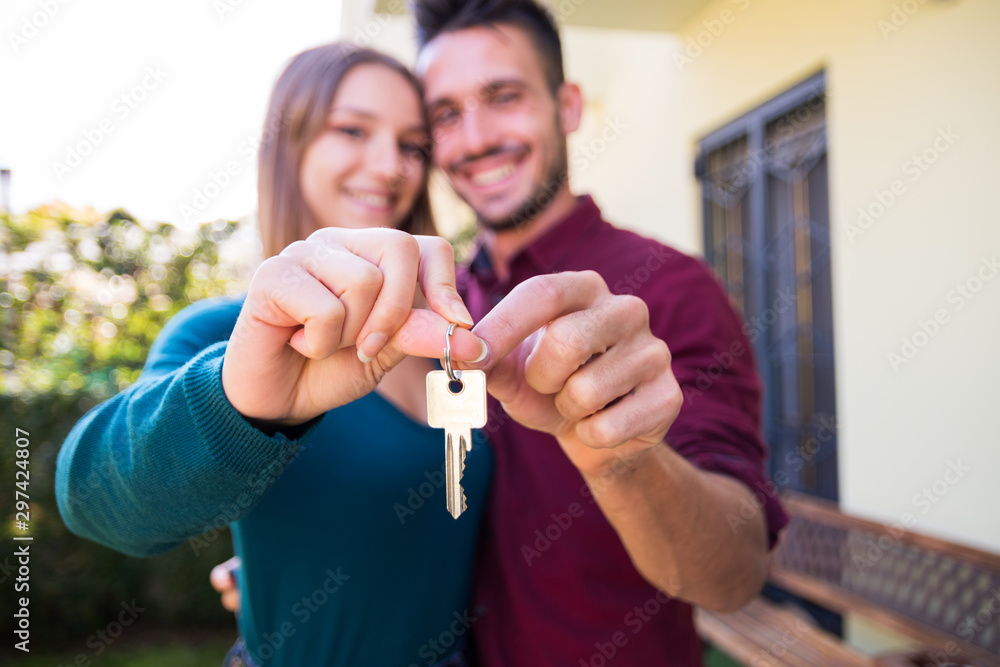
327, 318
570, 358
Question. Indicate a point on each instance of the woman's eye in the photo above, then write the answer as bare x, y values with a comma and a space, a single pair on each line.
351, 131
419, 151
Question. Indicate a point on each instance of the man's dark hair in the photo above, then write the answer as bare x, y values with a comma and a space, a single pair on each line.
435, 17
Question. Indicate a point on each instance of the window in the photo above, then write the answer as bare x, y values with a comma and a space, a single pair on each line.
767, 235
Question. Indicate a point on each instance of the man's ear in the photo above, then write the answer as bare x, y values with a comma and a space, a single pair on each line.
570, 100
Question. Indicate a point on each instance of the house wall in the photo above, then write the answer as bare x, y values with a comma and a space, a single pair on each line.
912, 95
911, 106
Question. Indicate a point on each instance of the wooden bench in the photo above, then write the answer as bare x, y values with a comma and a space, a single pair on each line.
944, 596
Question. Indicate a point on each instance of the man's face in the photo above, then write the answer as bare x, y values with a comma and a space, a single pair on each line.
496, 125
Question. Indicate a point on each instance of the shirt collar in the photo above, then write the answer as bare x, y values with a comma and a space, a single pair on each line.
547, 250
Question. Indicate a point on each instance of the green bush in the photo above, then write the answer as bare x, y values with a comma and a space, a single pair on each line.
82, 297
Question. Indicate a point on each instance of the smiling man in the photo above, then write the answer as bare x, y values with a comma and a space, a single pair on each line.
614, 507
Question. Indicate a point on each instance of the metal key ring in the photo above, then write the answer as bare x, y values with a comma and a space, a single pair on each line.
453, 375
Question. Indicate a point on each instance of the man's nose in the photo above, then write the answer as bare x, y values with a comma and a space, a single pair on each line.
478, 133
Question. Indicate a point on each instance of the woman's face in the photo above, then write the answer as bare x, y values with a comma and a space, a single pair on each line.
367, 166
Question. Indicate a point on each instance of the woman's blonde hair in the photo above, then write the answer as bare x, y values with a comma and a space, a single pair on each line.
296, 114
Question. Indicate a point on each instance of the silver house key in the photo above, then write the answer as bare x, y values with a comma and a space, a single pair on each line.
456, 402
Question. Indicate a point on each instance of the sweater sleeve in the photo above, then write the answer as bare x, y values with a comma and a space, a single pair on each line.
169, 457
718, 428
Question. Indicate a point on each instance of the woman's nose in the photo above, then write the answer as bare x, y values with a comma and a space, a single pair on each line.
385, 159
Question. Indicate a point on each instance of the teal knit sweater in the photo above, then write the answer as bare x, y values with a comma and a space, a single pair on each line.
348, 555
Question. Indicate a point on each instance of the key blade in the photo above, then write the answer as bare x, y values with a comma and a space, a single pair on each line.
454, 468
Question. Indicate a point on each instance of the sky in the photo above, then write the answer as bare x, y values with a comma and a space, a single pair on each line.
152, 107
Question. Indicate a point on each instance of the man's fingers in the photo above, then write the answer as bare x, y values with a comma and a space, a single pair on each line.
610, 376
533, 304
572, 340
437, 279
645, 414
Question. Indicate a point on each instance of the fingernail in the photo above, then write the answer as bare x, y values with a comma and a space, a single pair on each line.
371, 346
483, 354
459, 310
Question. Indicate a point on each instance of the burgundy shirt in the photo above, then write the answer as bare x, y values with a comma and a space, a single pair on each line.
554, 585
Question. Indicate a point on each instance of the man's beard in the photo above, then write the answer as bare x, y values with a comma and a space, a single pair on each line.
541, 197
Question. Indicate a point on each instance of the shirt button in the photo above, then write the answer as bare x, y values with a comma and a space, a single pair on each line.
497, 297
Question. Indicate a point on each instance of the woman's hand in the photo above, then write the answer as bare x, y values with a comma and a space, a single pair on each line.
223, 579
327, 318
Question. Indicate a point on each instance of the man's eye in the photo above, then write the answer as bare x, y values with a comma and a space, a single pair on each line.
445, 117
505, 98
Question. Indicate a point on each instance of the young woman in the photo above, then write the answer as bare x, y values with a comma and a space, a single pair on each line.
276, 412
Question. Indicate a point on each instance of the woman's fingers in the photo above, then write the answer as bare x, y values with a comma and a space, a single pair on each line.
224, 581
332, 320
437, 280
231, 601
424, 334
403, 260
338, 289
343, 287
397, 256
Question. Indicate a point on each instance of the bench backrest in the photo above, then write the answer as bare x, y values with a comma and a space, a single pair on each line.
945, 595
